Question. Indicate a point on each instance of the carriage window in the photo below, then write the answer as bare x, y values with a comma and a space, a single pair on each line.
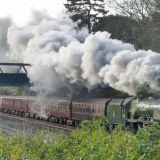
60, 107
78, 109
93, 109
64, 107
88, 109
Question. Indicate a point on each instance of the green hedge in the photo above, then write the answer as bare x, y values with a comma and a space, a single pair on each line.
90, 142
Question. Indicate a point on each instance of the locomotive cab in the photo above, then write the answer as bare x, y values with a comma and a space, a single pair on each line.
116, 112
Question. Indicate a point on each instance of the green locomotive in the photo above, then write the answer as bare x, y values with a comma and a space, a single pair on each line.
132, 112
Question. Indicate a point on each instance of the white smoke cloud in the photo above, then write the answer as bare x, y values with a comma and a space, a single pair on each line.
129, 71
99, 51
48, 44
61, 55
69, 62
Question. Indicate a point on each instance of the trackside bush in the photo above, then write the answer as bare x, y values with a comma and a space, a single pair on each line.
89, 142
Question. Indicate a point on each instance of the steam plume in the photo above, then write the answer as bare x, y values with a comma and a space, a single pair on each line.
62, 55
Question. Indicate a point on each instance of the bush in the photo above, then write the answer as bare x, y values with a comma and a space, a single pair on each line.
89, 142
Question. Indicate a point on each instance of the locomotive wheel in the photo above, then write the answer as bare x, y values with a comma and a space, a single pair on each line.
130, 127
139, 126
110, 127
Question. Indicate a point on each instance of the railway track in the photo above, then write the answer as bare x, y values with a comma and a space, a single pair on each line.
27, 124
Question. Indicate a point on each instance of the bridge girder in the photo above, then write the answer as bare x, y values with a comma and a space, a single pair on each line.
14, 79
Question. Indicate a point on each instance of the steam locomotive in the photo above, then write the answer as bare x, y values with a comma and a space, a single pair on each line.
131, 112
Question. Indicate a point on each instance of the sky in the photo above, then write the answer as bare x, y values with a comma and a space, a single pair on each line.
20, 10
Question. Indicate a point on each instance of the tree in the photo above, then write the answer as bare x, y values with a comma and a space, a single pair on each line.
135, 9
146, 14
114, 24
86, 12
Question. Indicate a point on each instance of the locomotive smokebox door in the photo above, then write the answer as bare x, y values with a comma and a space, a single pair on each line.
115, 112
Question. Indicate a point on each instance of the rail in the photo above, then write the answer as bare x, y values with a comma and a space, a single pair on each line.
35, 123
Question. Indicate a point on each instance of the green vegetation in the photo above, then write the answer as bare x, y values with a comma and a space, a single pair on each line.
86, 12
133, 21
90, 142
11, 91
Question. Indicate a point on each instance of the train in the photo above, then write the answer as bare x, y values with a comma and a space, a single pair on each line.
132, 112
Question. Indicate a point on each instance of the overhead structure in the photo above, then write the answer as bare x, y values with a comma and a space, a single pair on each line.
14, 74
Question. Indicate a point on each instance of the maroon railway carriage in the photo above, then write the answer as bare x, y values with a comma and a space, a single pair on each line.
21, 106
58, 110
15, 105
7, 104
87, 108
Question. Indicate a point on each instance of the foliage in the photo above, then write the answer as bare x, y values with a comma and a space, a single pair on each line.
114, 24
136, 9
11, 91
146, 15
140, 18
90, 141
145, 114
143, 92
86, 12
